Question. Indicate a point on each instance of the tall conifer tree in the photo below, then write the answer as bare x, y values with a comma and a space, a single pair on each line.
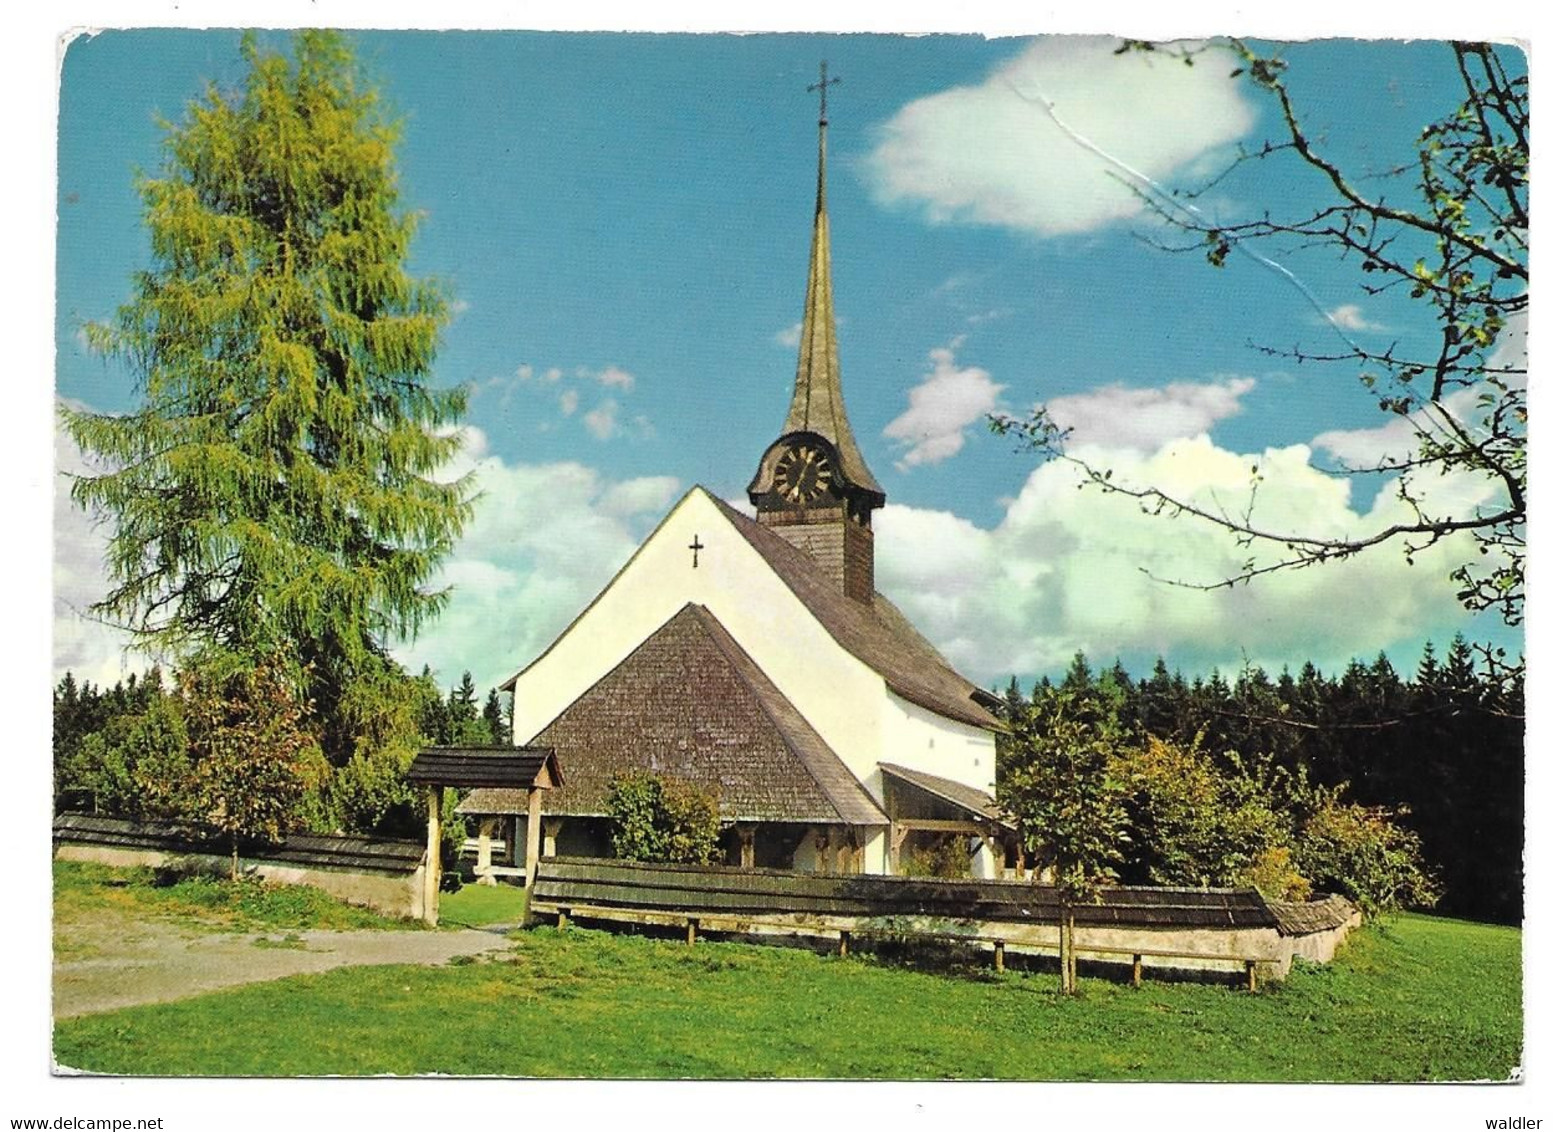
275, 493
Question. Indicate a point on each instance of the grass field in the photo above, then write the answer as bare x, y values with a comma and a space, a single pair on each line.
479, 906
1413, 999
210, 903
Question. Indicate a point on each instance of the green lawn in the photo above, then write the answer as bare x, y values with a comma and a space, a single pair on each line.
214, 903
479, 905
1413, 999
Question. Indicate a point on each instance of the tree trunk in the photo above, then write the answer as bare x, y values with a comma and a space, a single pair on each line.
1065, 948
234, 858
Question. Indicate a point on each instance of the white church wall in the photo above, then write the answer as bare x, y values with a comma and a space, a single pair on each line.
840, 696
984, 862
919, 739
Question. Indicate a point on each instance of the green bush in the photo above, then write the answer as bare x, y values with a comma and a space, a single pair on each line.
661, 819
949, 859
1192, 822
1363, 853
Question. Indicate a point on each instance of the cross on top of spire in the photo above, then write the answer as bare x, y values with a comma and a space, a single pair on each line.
820, 86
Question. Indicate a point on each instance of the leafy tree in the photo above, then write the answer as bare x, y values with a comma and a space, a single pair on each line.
247, 743
98, 771
1448, 225
157, 752
661, 819
1055, 778
275, 493
134, 763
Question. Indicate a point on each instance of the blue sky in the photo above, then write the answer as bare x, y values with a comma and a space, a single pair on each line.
623, 222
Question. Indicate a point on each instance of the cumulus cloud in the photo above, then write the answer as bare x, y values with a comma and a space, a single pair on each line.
994, 154
613, 377
570, 389
543, 540
1398, 437
82, 643
1119, 416
946, 401
1068, 570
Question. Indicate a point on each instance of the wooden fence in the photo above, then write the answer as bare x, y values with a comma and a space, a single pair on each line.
1179, 928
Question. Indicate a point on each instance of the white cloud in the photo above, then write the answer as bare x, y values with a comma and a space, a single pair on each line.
1070, 569
82, 643
1119, 416
788, 336
603, 421
646, 495
992, 154
948, 400
617, 378
543, 540
1398, 437
1350, 317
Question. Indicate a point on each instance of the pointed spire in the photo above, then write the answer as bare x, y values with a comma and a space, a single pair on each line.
817, 406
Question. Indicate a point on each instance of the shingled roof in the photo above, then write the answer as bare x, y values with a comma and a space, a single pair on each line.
957, 794
689, 703
878, 634
507, 767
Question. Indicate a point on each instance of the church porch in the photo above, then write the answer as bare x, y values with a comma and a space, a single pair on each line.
942, 827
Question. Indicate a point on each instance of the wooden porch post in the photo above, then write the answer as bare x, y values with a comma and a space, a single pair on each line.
552, 834
531, 848
483, 860
746, 847
897, 842
433, 877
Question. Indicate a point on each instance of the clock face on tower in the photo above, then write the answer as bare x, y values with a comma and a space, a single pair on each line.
803, 473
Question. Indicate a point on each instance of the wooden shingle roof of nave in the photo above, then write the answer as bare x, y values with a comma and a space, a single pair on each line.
689, 703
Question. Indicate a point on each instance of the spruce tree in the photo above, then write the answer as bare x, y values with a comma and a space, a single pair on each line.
275, 493
496, 720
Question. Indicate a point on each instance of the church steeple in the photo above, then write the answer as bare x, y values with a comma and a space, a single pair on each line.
817, 405
813, 485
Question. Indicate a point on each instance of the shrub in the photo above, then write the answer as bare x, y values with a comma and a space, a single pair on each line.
949, 859
661, 819
1274, 875
1191, 822
1363, 853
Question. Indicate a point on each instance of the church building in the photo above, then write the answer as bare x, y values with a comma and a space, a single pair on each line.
752, 657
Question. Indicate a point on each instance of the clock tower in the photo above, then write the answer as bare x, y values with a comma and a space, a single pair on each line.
812, 486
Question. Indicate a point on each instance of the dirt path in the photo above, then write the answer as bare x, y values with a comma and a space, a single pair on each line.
108, 961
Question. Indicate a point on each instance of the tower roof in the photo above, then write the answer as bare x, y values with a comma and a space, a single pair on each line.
817, 405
